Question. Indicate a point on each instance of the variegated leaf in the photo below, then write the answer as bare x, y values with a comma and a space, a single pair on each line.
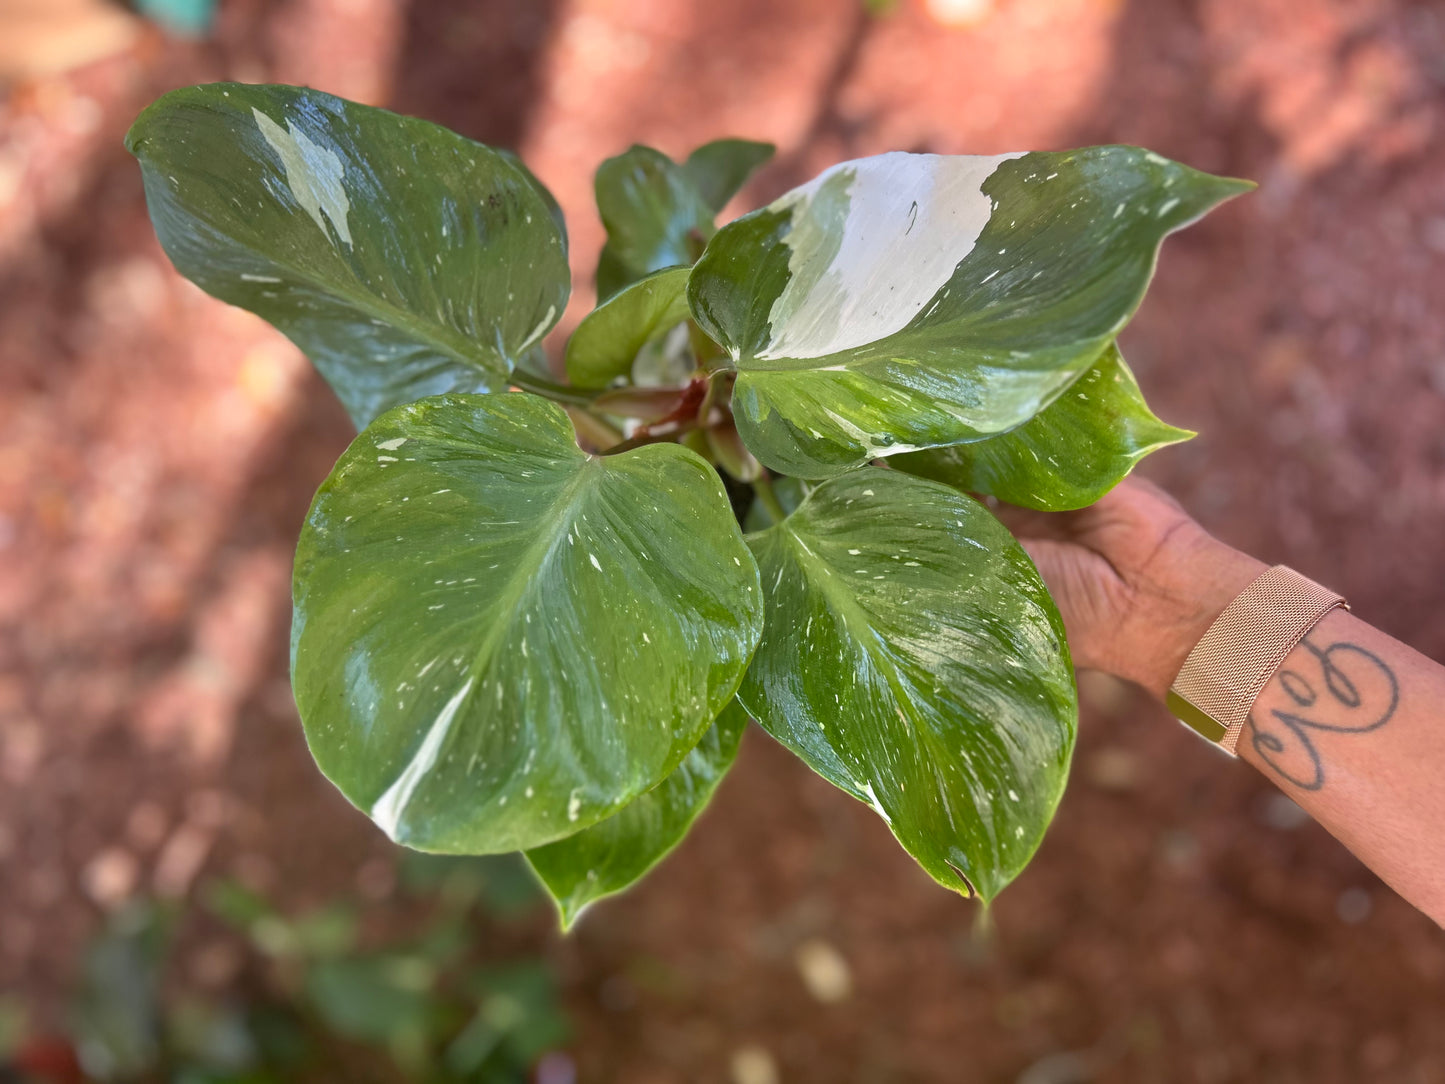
654, 214
913, 657
402, 258
910, 301
1066, 456
500, 640
614, 853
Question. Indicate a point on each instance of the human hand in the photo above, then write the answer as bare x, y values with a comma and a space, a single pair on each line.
1137, 580
1353, 738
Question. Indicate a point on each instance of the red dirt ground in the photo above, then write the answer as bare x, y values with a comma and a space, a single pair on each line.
158, 451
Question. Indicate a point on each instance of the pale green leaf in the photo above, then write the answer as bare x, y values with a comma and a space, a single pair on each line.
1066, 456
912, 656
654, 215
719, 169
500, 640
911, 301
614, 853
609, 337
402, 258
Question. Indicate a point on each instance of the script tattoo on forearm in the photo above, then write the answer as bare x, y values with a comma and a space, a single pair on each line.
1348, 690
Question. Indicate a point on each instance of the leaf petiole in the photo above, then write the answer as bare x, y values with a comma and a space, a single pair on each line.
763, 487
712, 396
550, 389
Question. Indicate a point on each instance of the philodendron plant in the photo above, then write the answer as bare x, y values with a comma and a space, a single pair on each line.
526, 614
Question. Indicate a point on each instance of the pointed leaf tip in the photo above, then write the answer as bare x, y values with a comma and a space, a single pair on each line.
1065, 457
615, 853
718, 170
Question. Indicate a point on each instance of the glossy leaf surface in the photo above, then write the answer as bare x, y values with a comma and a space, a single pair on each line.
718, 170
1066, 456
499, 640
609, 337
655, 218
912, 656
909, 301
618, 851
402, 258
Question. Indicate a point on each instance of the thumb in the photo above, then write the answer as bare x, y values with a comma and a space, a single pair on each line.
1077, 578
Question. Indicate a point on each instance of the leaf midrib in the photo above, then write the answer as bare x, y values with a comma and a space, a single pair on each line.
408, 322
519, 581
455, 345
846, 602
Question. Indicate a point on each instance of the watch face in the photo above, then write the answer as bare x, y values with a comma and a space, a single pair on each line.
1206, 726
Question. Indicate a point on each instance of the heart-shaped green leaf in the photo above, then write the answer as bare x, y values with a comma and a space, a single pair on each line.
500, 640
911, 300
616, 852
403, 259
720, 168
655, 218
1066, 456
609, 337
912, 656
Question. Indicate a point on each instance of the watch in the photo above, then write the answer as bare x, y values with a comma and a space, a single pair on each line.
1235, 658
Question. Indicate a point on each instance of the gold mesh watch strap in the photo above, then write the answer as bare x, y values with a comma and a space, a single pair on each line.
1235, 659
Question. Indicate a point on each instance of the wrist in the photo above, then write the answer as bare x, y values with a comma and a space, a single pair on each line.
1194, 586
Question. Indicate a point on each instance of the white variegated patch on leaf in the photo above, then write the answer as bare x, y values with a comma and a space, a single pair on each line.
913, 301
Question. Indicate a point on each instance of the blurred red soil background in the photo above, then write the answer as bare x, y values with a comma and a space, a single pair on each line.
1181, 922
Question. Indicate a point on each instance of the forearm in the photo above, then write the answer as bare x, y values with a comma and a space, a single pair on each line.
1348, 727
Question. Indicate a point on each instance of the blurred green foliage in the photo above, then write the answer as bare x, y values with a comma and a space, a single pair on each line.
320, 994
13, 1026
